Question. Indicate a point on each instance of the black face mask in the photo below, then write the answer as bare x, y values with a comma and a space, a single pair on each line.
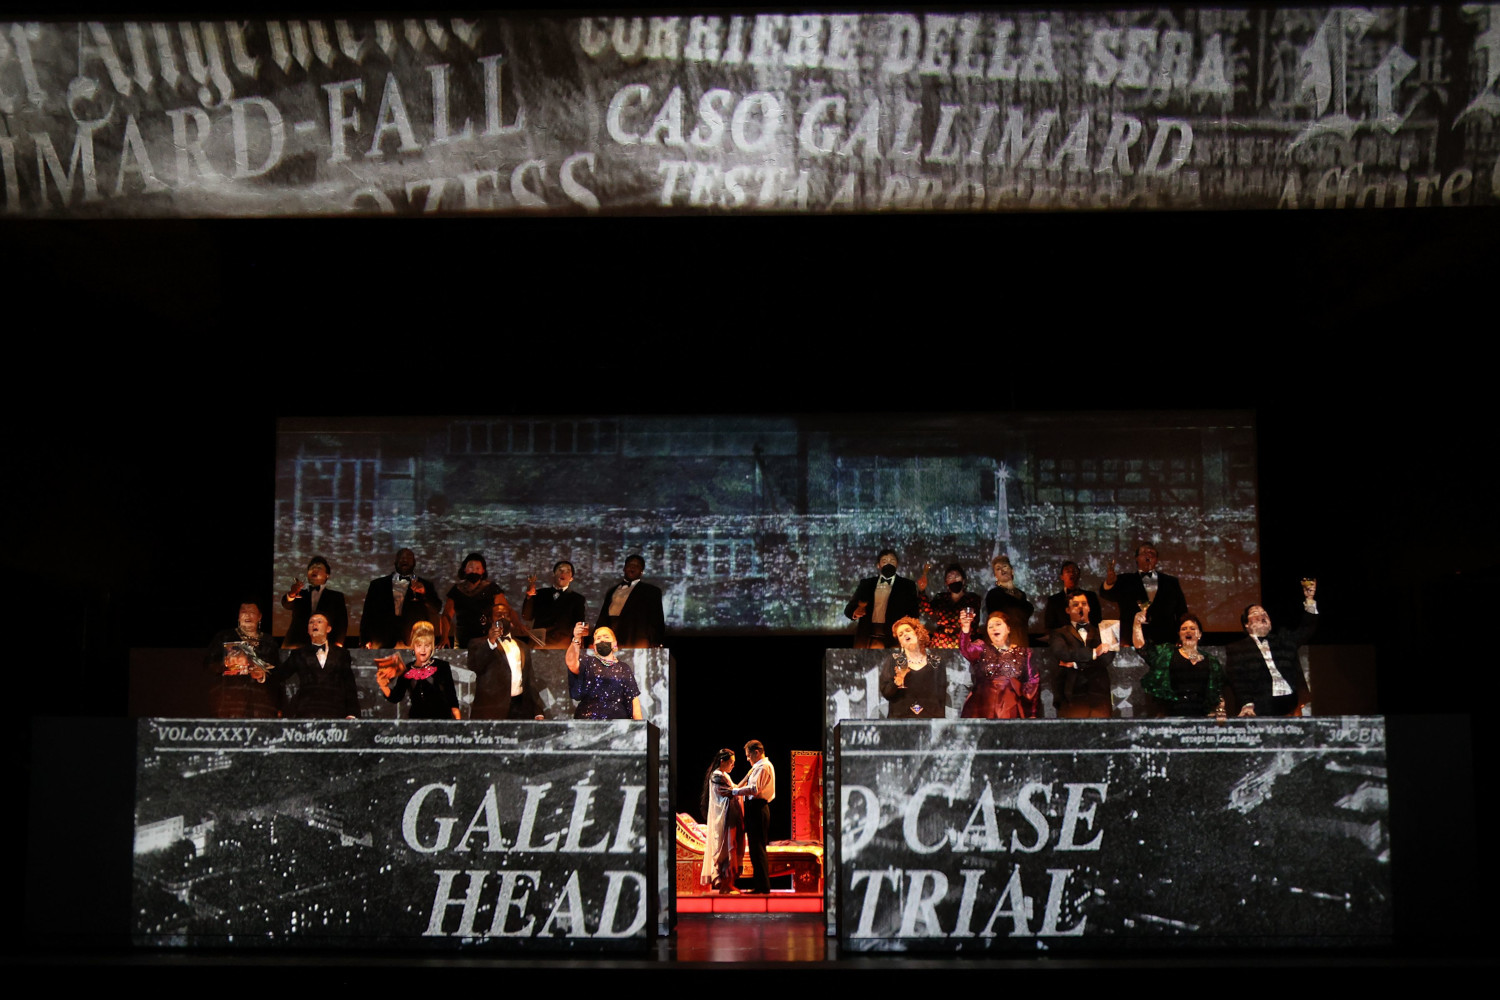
956, 588
604, 648
473, 577
889, 572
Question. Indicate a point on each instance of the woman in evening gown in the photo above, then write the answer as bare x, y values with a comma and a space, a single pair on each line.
909, 681
726, 823
603, 685
1005, 680
1186, 682
427, 683
470, 601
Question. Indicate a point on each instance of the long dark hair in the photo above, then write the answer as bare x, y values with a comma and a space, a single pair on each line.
720, 757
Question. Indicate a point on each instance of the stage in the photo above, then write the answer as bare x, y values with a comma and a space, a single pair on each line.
149, 481
760, 951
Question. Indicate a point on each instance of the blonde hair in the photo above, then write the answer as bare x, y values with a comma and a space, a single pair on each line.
423, 630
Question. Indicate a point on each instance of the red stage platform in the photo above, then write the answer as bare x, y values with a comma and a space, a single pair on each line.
774, 902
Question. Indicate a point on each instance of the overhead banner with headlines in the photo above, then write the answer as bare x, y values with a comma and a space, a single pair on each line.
1178, 107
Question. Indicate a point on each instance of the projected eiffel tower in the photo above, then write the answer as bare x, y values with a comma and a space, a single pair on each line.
1002, 512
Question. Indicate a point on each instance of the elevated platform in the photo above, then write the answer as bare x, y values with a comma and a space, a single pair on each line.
775, 901
801, 860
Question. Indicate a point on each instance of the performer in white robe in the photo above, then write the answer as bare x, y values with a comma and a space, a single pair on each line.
722, 850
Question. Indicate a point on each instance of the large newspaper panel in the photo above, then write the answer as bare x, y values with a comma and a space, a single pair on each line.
1020, 835
851, 690
1171, 107
508, 836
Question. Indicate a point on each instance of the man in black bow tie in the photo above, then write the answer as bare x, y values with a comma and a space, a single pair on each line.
1148, 587
505, 687
315, 595
557, 609
879, 602
1084, 660
317, 681
632, 609
395, 603
1264, 673
1056, 615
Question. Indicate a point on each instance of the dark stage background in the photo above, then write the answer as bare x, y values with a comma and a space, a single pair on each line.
149, 363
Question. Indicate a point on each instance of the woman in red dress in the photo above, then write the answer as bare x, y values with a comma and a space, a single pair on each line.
1005, 679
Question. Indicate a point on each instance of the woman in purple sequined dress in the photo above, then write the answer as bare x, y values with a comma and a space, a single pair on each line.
602, 684
1005, 679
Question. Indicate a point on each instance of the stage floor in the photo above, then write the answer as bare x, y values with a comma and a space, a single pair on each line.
749, 938
753, 948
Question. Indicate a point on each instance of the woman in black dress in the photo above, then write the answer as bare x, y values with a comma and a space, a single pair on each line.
1188, 683
469, 601
427, 682
908, 679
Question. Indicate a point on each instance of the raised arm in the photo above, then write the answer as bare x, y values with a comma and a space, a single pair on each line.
1309, 620
1108, 590
580, 630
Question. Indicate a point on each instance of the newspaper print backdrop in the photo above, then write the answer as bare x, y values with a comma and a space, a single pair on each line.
851, 692
357, 834
1169, 107
965, 835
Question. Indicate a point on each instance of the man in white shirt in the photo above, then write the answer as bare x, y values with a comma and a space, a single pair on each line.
1150, 589
632, 609
505, 688
394, 604
317, 680
759, 790
1263, 669
879, 602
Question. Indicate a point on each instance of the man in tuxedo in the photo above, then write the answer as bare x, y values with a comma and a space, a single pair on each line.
555, 609
1083, 681
505, 688
395, 603
316, 596
317, 680
1264, 674
1056, 615
1161, 590
632, 609
879, 602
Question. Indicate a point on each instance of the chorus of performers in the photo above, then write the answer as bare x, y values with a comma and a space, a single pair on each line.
1261, 674
310, 675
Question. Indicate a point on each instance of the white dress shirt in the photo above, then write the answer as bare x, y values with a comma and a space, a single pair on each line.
762, 778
